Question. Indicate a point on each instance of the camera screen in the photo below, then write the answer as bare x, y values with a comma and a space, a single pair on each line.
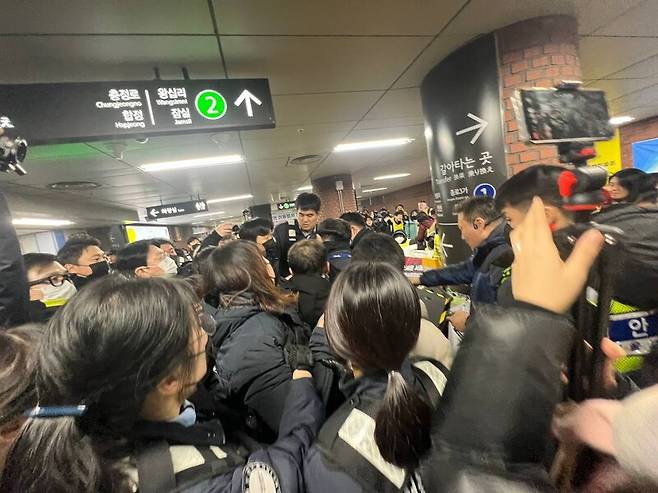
551, 115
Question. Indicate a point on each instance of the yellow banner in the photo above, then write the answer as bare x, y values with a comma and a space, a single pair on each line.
608, 154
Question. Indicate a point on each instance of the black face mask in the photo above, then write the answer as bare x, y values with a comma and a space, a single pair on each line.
413, 218
271, 250
99, 269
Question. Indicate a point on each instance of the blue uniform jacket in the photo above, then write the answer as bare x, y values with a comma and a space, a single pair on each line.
482, 270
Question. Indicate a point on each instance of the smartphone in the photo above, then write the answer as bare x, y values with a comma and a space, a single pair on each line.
550, 116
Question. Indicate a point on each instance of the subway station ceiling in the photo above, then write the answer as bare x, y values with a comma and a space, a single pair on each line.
339, 71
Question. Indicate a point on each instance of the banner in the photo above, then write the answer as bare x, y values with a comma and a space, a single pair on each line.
645, 155
608, 154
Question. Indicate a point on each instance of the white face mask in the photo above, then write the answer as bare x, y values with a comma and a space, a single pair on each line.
63, 292
168, 265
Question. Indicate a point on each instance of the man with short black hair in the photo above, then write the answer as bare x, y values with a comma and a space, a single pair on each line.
379, 247
335, 235
84, 259
357, 226
144, 259
483, 229
50, 285
302, 228
307, 261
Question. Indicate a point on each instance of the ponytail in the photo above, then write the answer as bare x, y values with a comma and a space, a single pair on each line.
402, 425
54, 455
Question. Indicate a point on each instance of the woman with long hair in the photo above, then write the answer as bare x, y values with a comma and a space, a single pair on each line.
115, 368
624, 186
254, 324
376, 439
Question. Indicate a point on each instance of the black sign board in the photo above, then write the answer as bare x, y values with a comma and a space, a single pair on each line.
284, 206
466, 149
87, 111
179, 209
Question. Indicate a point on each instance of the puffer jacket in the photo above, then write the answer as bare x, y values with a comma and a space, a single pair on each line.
250, 363
636, 279
491, 433
483, 270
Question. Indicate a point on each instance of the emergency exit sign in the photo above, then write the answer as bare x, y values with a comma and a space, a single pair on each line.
88, 111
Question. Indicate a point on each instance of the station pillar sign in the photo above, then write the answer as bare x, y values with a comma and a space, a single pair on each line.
463, 127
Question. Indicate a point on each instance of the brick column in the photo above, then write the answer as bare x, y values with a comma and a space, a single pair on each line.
538, 52
325, 188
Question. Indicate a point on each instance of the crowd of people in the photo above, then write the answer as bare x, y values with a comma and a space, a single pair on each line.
300, 357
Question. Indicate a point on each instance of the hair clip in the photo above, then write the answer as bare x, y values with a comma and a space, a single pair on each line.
55, 411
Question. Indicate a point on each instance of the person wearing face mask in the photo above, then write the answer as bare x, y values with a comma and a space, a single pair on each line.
259, 231
50, 285
84, 259
168, 247
116, 367
144, 259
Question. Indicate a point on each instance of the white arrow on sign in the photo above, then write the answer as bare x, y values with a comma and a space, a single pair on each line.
247, 98
154, 212
480, 126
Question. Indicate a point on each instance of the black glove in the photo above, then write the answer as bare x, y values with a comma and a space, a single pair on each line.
299, 357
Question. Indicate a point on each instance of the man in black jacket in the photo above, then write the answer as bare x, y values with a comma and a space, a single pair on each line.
357, 226
303, 228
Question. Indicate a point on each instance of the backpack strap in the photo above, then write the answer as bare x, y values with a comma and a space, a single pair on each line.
433, 377
163, 468
347, 443
155, 468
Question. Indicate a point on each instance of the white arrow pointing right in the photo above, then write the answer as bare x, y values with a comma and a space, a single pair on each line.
481, 125
247, 98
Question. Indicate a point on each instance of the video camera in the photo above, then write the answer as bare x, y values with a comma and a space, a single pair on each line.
13, 149
573, 118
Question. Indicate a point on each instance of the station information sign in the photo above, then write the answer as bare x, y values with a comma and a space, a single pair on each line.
156, 212
88, 111
466, 147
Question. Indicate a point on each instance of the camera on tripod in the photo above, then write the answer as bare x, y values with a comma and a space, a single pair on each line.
13, 149
573, 118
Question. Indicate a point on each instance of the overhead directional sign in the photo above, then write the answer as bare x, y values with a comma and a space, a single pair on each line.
156, 212
466, 148
88, 111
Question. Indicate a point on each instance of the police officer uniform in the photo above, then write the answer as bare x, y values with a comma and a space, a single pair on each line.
286, 234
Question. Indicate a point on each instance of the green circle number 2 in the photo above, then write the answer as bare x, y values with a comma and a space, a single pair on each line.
210, 104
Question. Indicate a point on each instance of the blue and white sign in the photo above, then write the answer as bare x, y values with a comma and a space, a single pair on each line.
645, 155
485, 190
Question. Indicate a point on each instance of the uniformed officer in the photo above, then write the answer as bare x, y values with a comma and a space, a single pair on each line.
302, 228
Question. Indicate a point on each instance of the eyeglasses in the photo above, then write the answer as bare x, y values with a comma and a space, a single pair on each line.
56, 280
